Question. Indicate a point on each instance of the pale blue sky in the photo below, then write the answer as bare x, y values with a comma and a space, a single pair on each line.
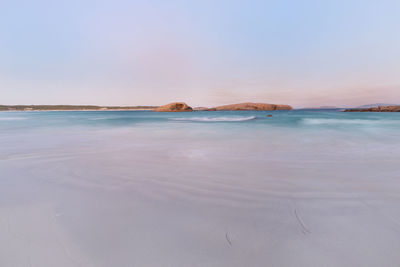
120, 52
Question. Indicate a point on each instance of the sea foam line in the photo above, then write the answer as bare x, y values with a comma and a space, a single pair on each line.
214, 119
12, 119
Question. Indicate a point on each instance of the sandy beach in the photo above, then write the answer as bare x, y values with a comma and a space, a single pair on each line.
189, 193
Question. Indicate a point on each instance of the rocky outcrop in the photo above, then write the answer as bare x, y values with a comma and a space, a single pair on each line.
253, 106
180, 107
174, 107
375, 109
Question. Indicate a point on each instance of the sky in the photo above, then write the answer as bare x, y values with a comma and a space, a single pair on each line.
306, 53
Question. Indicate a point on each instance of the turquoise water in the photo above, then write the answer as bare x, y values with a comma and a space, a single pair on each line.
296, 119
138, 188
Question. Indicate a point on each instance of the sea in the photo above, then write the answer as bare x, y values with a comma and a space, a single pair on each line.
207, 188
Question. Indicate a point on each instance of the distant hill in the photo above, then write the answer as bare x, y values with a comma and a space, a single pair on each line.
69, 107
375, 109
376, 105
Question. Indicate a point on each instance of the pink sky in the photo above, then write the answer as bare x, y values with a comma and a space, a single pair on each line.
303, 53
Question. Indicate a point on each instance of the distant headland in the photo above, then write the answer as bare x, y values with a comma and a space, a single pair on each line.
70, 108
375, 109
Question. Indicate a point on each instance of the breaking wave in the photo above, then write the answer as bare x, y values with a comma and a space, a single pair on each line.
12, 119
215, 119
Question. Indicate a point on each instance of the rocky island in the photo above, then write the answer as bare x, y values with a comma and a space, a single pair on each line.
375, 109
174, 107
253, 106
183, 107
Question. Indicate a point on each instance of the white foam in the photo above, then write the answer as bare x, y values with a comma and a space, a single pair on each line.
12, 119
215, 119
99, 119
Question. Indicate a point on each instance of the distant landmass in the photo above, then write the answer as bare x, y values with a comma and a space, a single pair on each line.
183, 107
376, 105
375, 109
174, 107
70, 107
252, 106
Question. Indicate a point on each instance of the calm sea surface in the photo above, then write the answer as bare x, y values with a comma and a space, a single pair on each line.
234, 188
